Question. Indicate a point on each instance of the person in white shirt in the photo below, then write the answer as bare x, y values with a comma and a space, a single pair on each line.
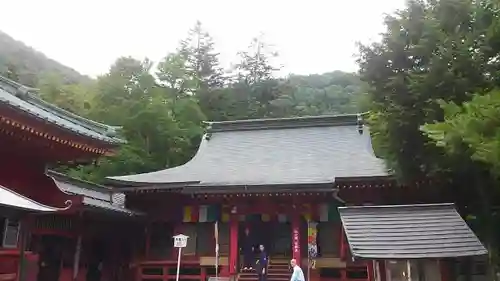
297, 274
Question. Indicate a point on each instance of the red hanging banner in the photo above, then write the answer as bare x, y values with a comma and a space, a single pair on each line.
296, 241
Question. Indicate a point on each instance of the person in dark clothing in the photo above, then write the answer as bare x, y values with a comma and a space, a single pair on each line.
262, 264
248, 251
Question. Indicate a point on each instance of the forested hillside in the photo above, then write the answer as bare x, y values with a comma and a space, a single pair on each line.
161, 106
30, 64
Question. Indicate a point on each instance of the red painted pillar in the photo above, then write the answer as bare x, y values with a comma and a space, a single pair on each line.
148, 241
342, 243
382, 270
370, 270
233, 244
444, 270
296, 238
203, 274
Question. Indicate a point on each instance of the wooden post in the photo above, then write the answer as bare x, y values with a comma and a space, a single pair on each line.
148, 240
233, 244
445, 270
370, 270
78, 247
408, 269
76, 259
23, 233
342, 243
343, 274
382, 270
203, 273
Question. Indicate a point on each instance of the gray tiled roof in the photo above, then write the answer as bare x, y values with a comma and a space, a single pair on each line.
93, 195
307, 150
408, 232
22, 98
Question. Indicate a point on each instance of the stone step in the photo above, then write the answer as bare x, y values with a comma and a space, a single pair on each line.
255, 278
279, 266
269, 278
269, 273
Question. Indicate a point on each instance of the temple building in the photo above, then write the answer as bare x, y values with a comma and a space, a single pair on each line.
307, 188
53, 227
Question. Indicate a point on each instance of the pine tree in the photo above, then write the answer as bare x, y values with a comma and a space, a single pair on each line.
202, 62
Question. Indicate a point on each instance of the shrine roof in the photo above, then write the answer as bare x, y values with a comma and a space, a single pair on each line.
408, 232
25, 99
15, 200
94, 196
288, 151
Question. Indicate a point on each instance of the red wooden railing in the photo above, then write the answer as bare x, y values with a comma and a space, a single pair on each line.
9, 264
166, 270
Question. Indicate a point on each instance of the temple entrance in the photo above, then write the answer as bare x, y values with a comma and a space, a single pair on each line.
275, 236
50, 258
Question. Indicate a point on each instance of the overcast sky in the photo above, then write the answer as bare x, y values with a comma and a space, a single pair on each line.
312, 36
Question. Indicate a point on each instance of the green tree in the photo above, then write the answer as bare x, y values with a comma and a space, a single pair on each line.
11, 72
430, 51
434, 53
202, 62
161, 131
75, 98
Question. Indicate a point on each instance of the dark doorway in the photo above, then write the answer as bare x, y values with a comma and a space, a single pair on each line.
50, 258
275, 236
96, 260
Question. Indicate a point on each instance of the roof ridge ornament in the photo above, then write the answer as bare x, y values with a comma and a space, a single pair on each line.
22, 91
360, 123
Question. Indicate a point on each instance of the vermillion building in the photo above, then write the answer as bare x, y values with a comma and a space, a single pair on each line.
53, 227
297, 184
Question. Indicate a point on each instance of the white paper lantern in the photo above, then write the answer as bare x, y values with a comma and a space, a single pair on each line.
180, 241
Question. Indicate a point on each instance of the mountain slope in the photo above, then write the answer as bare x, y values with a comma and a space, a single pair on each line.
30, 64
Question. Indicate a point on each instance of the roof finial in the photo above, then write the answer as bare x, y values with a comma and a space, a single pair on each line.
360, 123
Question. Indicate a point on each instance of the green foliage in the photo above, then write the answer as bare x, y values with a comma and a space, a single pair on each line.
431, 50
472, 128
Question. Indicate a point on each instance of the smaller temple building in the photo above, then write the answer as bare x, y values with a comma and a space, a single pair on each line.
410, 242
53, 227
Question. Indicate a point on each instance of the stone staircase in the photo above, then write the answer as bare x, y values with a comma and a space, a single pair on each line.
279, 270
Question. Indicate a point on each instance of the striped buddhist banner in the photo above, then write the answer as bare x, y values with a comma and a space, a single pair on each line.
190, 214
282, 218
329, 212
209, 213
225, 213
307, 212
202, 213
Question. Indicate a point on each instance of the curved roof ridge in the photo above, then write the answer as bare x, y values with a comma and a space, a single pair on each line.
285, 123
197, 155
